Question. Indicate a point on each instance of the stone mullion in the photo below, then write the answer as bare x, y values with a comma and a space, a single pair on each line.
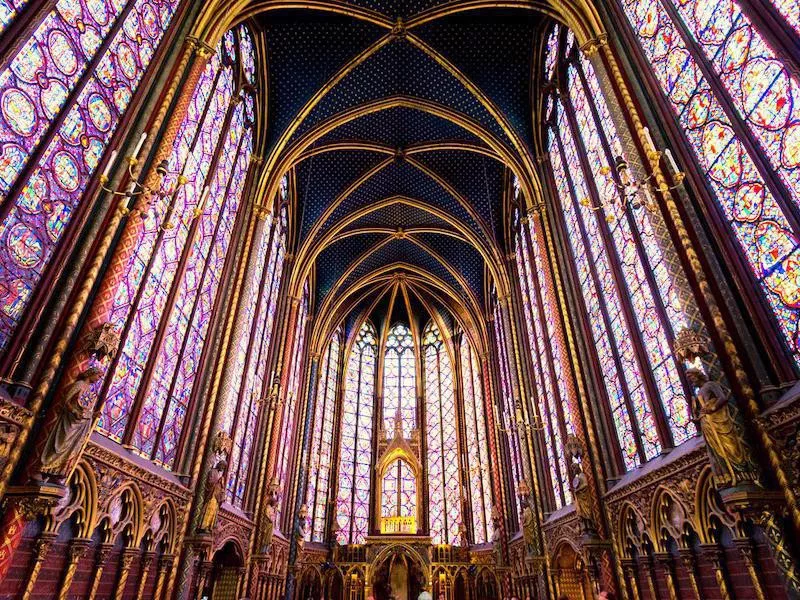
749, 405
211, 412
70, 322
294, 534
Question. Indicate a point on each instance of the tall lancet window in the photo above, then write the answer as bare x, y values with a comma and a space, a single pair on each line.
164, 306
250, 384
506, 401
292, 399
319, 470
63, 93
633, 307
444, 483
548, 355
477, 444
355, 458
735, 93
399, 381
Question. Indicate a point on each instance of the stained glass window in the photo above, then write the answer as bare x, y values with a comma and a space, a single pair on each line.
399, 491
505, 403
399, 381
548, 358
165, 302
476, 444
355, 459
292, 400
734, 93
444, 497
634, 309
250, 384
319, 471
56, 119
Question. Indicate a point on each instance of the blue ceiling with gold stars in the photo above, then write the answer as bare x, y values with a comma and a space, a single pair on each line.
402, 121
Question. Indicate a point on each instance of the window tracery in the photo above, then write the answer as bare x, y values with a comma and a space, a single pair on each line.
634, 310
355, 460
62, 97
444, 485
734, 94
165, 305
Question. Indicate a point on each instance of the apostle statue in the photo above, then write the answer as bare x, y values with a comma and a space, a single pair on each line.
731, 459
271, 512
213, 496
583, 497
73, 423
301, 529
528, 522
497, 536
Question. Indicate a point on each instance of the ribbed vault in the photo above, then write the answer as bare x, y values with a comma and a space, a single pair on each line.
402, 124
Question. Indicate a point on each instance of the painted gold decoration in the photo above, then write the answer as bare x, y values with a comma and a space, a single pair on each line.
731, 459
213, 497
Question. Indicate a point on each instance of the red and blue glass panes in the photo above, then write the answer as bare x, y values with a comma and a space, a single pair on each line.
355, 459
507, 399
53, 108
399, 490
256, 386
753, 95
293, 389
657, 311
163, 236
319, 468
165, 303
444, 487
477, 446
544, 350
551, 54
399, 381
788, 10
9, 10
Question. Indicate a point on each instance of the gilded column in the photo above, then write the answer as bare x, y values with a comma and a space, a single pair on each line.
630, 569
745, 547
164, 567
715, 556
147, 560
102, 558
76, 552
128, 556
690, 564
40, 551
749, 405
665, 560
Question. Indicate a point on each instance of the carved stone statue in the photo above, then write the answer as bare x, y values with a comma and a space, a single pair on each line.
213, 496
74, 422
497, 536
301, 529
583, 497
731, 459
528, 522
271, 512
463, 537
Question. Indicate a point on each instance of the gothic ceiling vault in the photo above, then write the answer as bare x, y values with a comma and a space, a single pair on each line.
401, 123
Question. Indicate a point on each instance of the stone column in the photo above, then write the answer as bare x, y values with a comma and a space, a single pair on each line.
716, 557
147, 560
40, 550
164, 567
128, 556
630, 569
102, 557
77, 550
